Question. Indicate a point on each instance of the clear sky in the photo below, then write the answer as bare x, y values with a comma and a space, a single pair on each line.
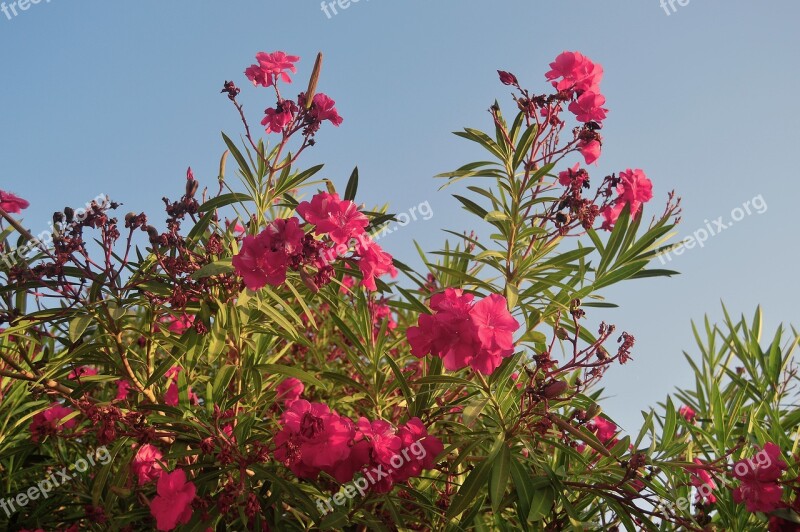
119, 98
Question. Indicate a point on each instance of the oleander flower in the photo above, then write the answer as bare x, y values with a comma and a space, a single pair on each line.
172, 505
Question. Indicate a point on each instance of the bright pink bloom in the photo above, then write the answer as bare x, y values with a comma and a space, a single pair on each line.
577, 72
12, 203
610, 214
313, 439
373, 262
181, 325
270, 67
635, 189
83, 371
702, 480
604, 430
759, 489
423, 450
276, 119
496, 327
145, 464
289, 390
383, 438
590, 149
589, 107
464, 335
123, 389
332, 216
324, 108
172, 505
688, 413
285, 235
235, 227
49, 422
258, 264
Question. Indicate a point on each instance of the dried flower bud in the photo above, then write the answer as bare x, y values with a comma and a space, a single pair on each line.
555, 389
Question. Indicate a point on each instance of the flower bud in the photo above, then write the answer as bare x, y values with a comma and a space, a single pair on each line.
555, 389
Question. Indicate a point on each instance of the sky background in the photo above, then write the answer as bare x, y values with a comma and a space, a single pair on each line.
119, 98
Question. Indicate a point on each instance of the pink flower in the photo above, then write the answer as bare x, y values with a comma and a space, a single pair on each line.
49, 422
180, 325
285, 235
313, 439
172, 396
83, 371
270, 67
424, 449
634, 189
496, 327
577, 72
172, 505
611, 214
259, 265
462, 335
758, 488
701, 479
688, 413
145, 464
373, 262
324, 108
123, 389
289, 390
276, 119
383, 438
589, 107
573, 175
332, 216
590, 149
235, 226
12, 203
604, 430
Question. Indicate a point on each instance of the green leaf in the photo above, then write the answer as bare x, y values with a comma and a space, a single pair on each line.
541, 504
77, 327
224, 199
292, 372
501, 470
352, 186
215, 268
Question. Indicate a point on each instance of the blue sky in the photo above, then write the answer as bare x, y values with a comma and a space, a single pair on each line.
119, 98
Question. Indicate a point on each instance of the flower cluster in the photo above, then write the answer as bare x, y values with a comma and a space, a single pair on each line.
464, 334
266, 258
634, 190
759, 489
289, 116
316, 439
